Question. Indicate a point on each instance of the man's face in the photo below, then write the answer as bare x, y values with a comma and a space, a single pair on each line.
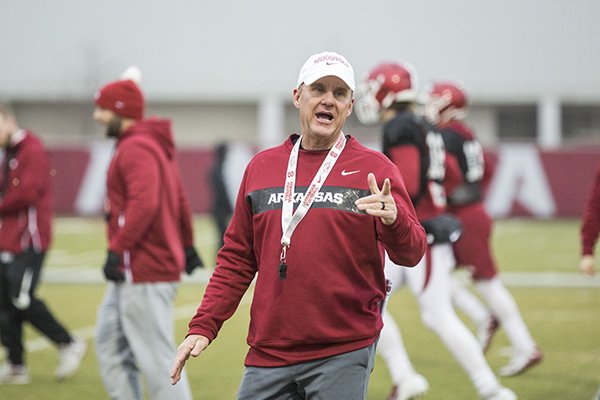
111, 121
7, 128
324, 106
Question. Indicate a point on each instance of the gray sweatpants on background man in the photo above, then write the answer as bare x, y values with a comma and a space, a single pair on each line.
134, 340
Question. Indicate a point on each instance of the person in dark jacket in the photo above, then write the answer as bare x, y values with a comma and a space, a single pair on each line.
25, 236
221, 206
150, 243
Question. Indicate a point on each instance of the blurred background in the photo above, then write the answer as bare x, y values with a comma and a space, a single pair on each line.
224, 72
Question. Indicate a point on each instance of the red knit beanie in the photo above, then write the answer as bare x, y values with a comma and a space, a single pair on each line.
123, 97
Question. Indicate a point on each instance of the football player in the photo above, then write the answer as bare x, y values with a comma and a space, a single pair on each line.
388, 95
446, 106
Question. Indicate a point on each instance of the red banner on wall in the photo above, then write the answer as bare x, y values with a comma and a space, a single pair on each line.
526, 181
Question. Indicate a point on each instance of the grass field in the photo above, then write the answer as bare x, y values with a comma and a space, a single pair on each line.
564, 320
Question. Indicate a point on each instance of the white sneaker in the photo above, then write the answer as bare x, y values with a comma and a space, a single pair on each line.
503, 393
70, 356
412, 387
14, 375
521, 363
485, 333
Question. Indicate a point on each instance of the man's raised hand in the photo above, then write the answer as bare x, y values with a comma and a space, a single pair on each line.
380, 203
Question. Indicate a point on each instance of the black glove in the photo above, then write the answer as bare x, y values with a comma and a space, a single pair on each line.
192, 259
111, 268
444, 228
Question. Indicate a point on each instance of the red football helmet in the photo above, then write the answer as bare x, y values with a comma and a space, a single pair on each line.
445, 101
384, 85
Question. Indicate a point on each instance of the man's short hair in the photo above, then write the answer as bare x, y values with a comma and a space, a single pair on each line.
6, 109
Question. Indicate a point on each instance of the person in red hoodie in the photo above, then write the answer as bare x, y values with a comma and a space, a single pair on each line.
312, 218
150, 243
25, 236
590, 228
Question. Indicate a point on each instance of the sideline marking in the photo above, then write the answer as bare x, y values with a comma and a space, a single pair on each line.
89, 332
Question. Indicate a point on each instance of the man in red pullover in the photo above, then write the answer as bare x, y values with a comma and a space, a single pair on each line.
150, 242
25, 236
590, 227
311, 221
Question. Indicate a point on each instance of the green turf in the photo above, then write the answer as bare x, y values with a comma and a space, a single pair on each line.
565, 322
525, 245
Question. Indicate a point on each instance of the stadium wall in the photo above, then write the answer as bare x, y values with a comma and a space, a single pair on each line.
526, 181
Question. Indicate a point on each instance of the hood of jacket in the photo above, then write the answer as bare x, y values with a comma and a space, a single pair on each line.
159, 129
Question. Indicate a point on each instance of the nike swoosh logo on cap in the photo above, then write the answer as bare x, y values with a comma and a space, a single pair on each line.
346, 173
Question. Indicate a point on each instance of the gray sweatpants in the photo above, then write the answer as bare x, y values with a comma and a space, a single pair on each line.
134, 339
344, 376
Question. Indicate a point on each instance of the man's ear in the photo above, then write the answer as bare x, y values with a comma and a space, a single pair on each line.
296, 97
350, 108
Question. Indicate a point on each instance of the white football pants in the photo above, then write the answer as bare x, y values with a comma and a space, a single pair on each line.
429, 282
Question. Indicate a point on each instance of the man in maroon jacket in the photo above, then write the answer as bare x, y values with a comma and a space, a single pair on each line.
311, 221
590, 228
25, 235
150, 243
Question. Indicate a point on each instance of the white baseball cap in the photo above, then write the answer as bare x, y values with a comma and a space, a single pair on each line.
326, 63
